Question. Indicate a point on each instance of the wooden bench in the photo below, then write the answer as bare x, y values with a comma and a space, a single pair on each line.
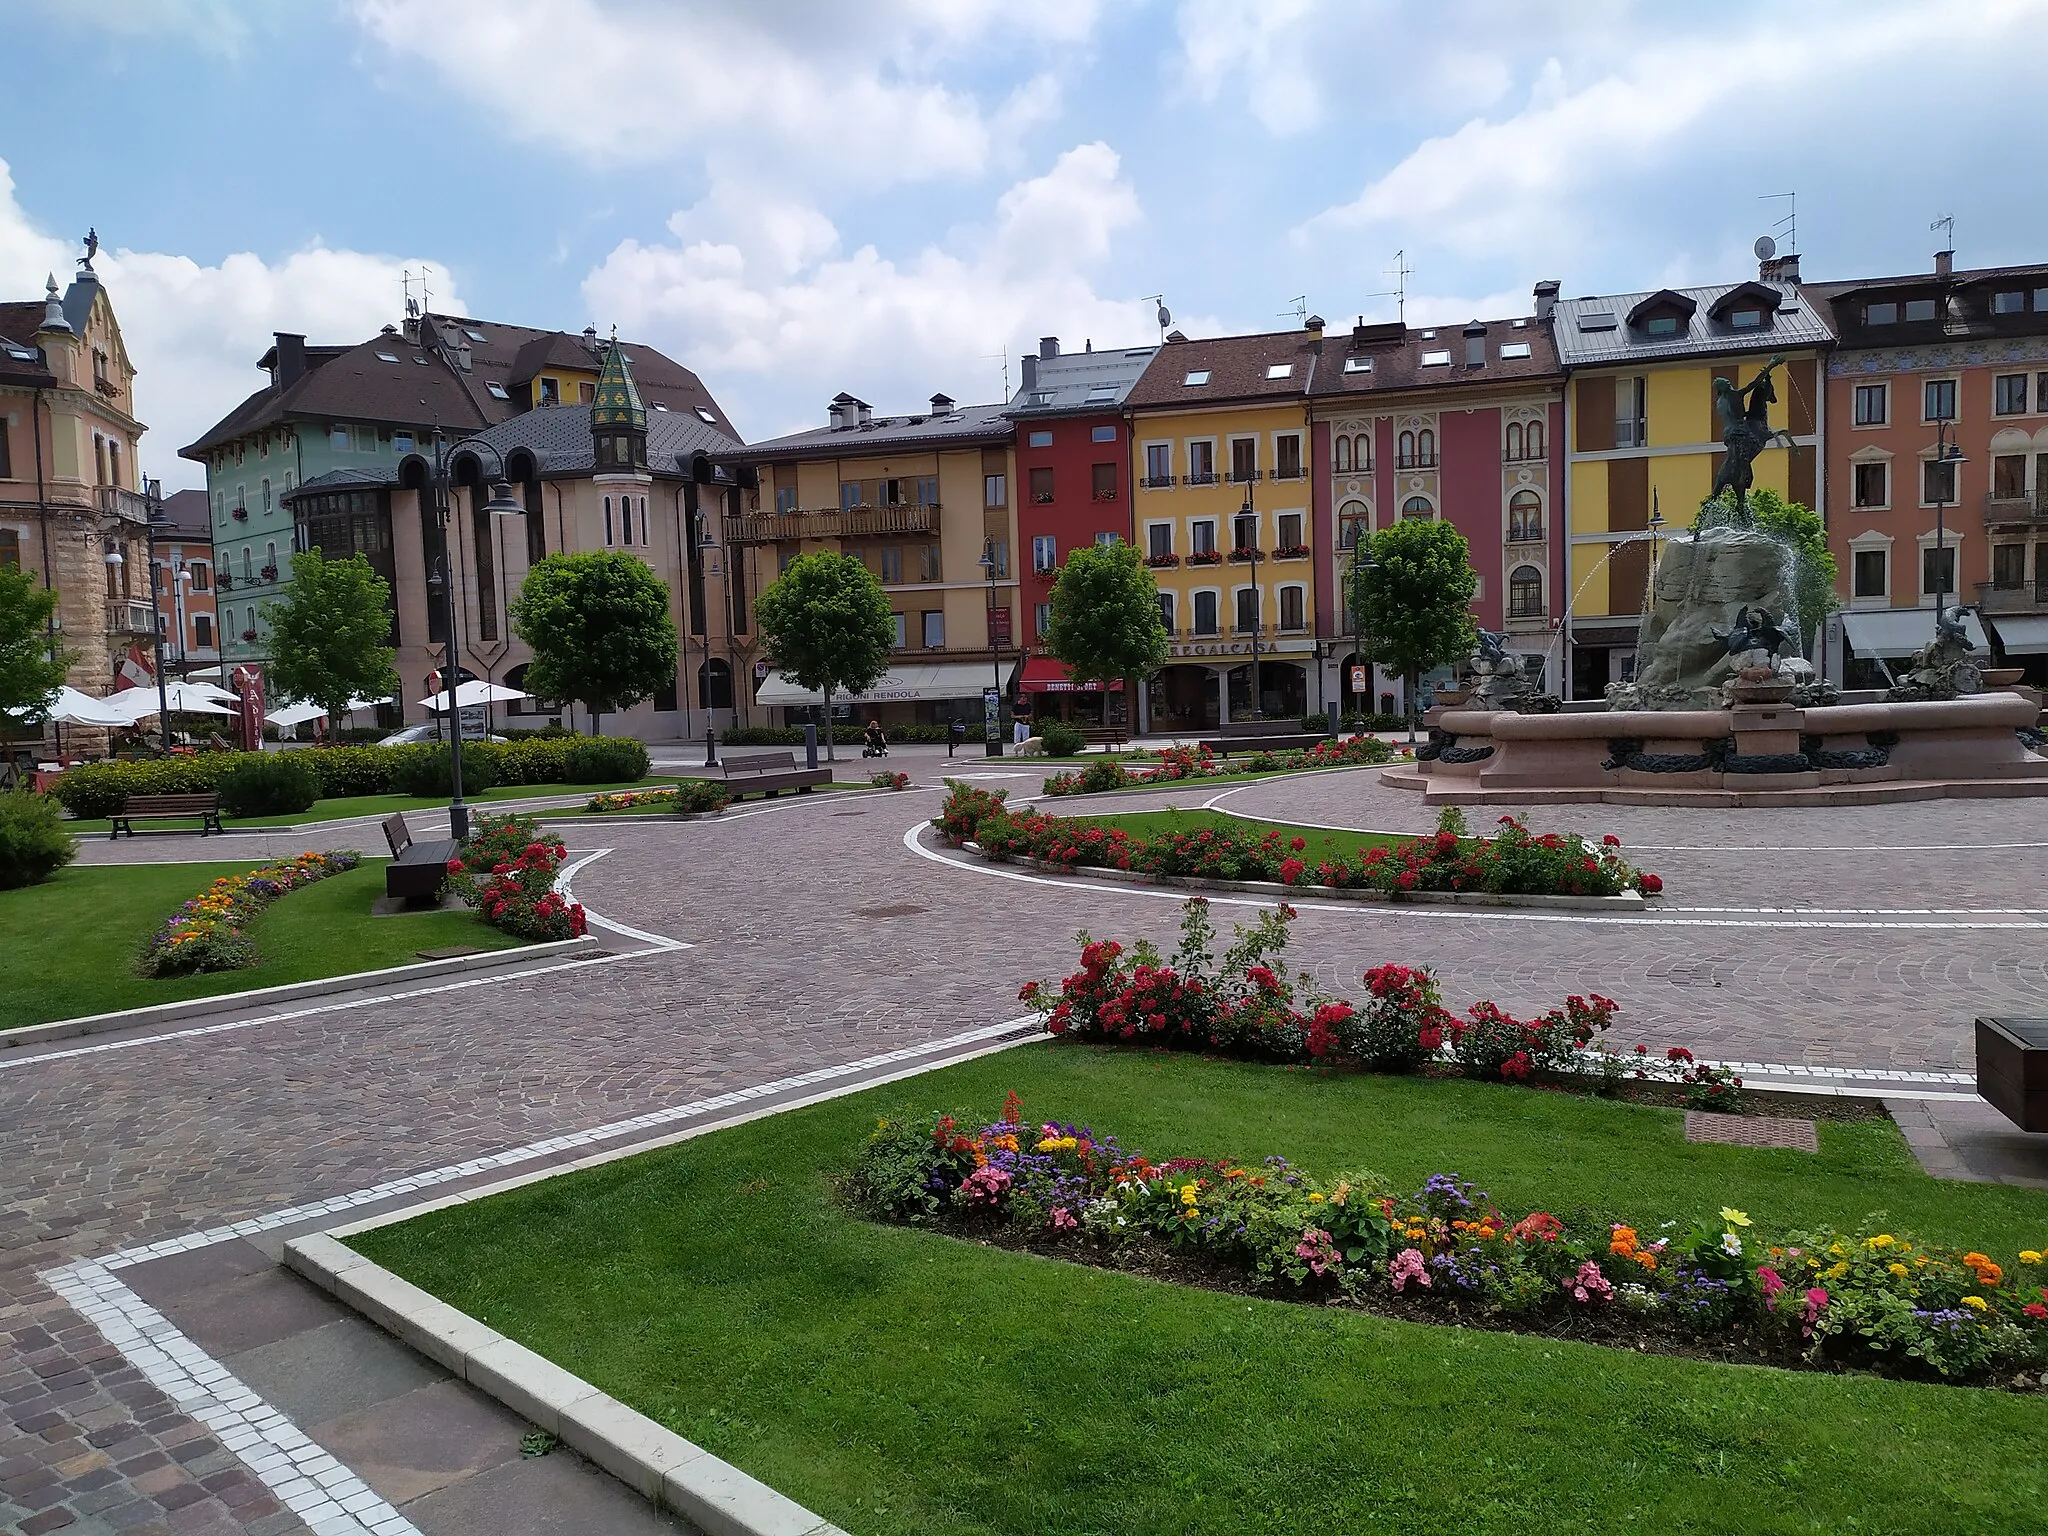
770, 773
1105, 735
417, 871
205, 807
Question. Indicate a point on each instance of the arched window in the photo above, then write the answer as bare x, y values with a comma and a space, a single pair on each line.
1533, 443
1353, 520
1514, 440
1343, 453
608, 522
1416, 506
626, 519
266, 493
1405, 450
1362, 451
248, 565
1525, 593
1525, 518
714, 684
1425, 449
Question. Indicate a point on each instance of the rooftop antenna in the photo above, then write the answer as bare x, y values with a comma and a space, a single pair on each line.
1298, 308
425, 295
1400, 271
1946, 223
1005, 356
1787, 228
1163, 315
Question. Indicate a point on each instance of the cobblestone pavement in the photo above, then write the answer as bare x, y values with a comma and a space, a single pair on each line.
820, 938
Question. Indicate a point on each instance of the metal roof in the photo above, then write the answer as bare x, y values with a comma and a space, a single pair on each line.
963, 425
559, 440
1082, 381
1590, 332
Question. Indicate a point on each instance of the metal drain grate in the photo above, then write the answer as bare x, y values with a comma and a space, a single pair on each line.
1751, 1130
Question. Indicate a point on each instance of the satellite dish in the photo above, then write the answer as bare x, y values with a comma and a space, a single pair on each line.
1165, 317
1765, 247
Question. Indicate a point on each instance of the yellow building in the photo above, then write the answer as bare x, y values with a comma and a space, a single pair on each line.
1223, 515
918, 499
1644, 443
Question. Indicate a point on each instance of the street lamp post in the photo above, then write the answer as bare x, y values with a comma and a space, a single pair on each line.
1250, 514
993, 726
708, 547
1948, 455
1361, 562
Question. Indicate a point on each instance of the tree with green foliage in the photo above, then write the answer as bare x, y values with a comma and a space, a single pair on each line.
31, 662
1411, 605
600, 630
1813, 583
331, 636
1106, 622
829, 627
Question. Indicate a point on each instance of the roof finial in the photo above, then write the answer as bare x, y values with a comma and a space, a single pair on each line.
53, 308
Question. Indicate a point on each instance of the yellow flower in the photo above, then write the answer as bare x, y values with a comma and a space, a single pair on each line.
1976, 1303
1733, 1217
1882, 1240
1897, 1269
1836, 1271
2030, 1256
1315, 1199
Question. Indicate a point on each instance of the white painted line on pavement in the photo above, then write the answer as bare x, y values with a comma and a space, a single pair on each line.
567, 874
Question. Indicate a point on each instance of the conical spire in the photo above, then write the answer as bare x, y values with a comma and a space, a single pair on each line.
53, 308
618, 397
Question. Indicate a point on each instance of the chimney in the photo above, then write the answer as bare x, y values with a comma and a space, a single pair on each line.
1767, 269
590, 337
1048, 346
1546, 299
1030, 368
1358, 335
1313, 325
867, 413
836, 413
1944, 263
942, 405
1788, 268
291, 358
1475, 344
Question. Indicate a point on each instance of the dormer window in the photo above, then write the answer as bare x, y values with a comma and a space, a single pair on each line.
1880, 314
1661, 325
1745, 319
1664, 313
1919, 309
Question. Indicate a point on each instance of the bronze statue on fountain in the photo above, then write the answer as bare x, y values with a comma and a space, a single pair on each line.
1503, 679
1945, 667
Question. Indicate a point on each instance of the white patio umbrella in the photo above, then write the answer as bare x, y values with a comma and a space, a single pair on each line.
287, 715
473, 693
75, 708
134, 704
207, 690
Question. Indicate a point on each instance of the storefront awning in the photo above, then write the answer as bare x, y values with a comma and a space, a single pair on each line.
1891, 632
1044, 675
2022, 634
938, 680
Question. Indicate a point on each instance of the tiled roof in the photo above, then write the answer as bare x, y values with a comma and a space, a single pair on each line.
1237, 369
1433, 356
552, 349
187, 516
964, 425
1082, 381
21, 361
354, 478
1590, 332
559, 440
19, 322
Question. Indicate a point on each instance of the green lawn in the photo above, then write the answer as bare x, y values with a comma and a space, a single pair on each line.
1322, 843
346, 806
71, 942
896, 1381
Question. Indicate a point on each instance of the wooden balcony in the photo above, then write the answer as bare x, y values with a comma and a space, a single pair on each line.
833, 523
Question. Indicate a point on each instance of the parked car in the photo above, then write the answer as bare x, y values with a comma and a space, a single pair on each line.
413, 734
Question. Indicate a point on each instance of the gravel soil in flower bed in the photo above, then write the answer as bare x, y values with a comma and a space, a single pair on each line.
72, 940
903, 1381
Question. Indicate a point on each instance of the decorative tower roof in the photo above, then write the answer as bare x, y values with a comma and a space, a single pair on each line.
618, 397
53, 309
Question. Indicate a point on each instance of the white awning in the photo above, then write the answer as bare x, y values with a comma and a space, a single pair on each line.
2022, 634
940, 680
1890, 632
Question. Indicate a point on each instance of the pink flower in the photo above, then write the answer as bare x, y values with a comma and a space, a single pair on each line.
1405, 1266
1589, 1285
1816, 1300
1770, 1281
1063, 1220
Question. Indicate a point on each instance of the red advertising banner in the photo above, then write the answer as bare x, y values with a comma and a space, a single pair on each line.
248, 682
999, 627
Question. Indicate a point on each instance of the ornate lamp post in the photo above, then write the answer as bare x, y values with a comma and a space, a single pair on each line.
709, 547
992, 728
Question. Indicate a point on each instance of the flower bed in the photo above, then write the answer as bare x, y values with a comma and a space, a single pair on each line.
507, 870
1245, 1006
1513, 862
693, 797
206, 933
1178, 763
1826, 1298
889, 780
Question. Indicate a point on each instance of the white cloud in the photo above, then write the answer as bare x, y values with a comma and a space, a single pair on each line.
194, 332
1258, 50
763, 301
851, 92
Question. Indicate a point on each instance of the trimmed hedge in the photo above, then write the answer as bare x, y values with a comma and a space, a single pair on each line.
93, 790
268, 784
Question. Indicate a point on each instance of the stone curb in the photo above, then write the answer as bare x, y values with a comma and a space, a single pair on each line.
713, 1495
236, 1002
1630, 902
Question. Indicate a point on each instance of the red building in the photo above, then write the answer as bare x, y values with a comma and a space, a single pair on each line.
1073, 490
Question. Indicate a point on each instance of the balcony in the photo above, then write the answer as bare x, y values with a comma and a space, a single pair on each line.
1158, 482
1525, 533
2023, 510
1290, 472
126, 617
1201, 477
1415, 461
1246, 476
129, 506
2020, 597
834, 523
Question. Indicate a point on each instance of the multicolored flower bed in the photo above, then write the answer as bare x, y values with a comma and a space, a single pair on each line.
691, 797
889, 780
507, 872
1869, 1298
206, 933
1512, 862
1178, 763
1245, 1006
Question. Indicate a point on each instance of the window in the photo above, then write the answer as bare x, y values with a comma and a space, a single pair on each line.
2009, 394
1511, 350
1880, 314
1159, 540
927, 490
1439, 359
1870, 573
1166, 610
1102, 482
1203, 540
1342, 450
934, 623
1102, 435
1244, 532
1919, 309
1631, 425
550, 391
1416, 506
10, 549
1660, 325
366, 439
1288, 531
1158, 464
1101, 394
1937, 481
1247, 610
2041, 301
995, 491
785, 498
1042, 396
1205, 613
1425, 449
625, 519
707, 417
1279, 370
586, 392
2009, 476
200, 577
248, 565
1873, 403
270, 560
1534, 440
2008, 303
1041, 618
1292, 609
202, 630
1358, 365
1196, 376
1105, 540
338, 438
1287, 453
901, 638
1045, 553
1352, 520
1244, 459
1525, 593
401, 442
929, 569
497, 390
849, 495
1938, 571
2008, 565
1041, 485
1040, 440
1873, 484
2041, 392
608, 540
892, 567
1745, 319
1361, 451
1514, 441
1525, 518
1404, 450
1202, 463
263, 493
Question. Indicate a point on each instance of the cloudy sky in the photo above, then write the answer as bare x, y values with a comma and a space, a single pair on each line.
796, 197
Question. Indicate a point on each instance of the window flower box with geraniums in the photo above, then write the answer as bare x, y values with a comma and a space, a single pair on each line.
1163, 562
1291, 552
248, 635
1206, 557
268, 573
1246, 552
